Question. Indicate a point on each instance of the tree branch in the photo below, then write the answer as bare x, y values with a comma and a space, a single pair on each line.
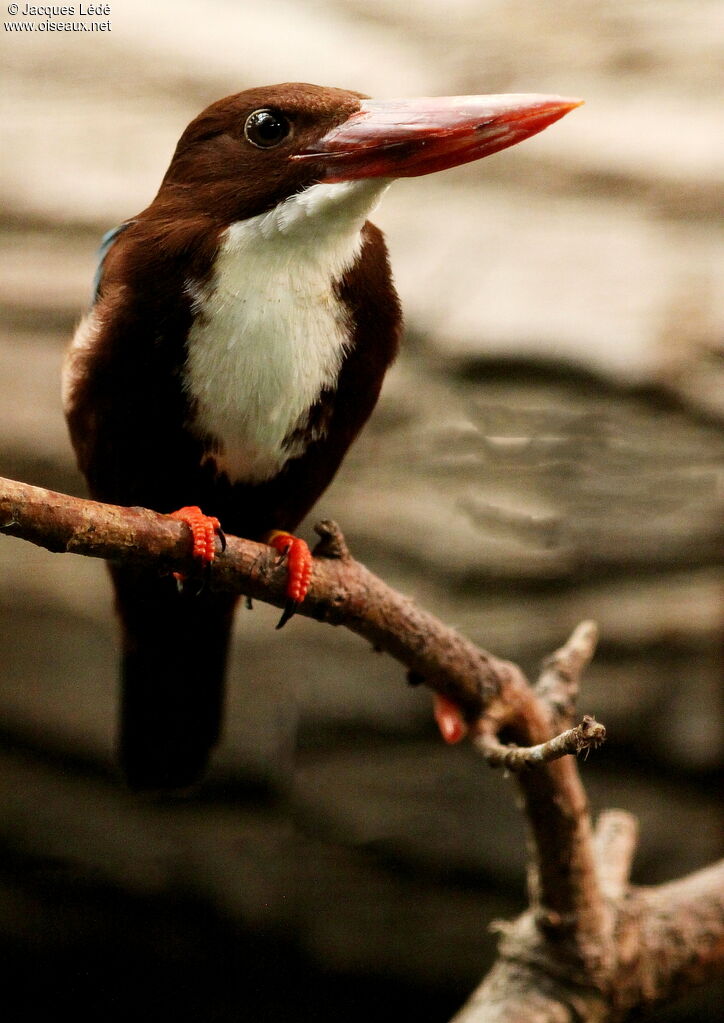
566, 899
615, 840
560, 677
342, 591
588, 735
667, 940
590, 947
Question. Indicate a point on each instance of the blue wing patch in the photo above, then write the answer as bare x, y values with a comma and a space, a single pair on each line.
106, 241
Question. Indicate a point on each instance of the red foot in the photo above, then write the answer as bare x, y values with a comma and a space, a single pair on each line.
299, 568
449, 719
204, 529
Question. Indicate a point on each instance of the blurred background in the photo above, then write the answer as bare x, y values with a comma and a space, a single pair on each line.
547, 448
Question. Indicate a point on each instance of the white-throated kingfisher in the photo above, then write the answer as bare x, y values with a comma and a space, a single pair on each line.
240, 331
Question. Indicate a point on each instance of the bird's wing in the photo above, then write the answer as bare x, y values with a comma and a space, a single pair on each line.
106, 242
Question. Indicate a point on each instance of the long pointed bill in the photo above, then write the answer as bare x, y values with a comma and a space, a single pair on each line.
405, 138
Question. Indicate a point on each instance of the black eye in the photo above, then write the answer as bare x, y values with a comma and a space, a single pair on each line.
265, 129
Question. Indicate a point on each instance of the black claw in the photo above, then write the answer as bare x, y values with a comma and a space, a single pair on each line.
290, 609
222, 539
249, 605
190, 587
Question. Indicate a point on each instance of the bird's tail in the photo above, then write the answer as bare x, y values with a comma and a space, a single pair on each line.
175, 647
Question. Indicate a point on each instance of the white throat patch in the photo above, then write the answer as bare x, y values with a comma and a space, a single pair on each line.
270, 332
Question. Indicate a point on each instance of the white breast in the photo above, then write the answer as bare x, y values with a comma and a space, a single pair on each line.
270, 333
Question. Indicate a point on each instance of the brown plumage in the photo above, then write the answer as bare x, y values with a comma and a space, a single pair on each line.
128, 416
139, 406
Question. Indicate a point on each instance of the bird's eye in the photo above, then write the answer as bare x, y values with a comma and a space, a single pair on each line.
265, 129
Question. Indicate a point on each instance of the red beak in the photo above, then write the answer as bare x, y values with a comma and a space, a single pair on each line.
405, 138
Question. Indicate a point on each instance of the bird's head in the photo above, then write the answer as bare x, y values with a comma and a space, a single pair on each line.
247, 153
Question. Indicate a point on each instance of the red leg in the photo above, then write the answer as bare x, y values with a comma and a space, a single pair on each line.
449, 719
299, 568
204, 529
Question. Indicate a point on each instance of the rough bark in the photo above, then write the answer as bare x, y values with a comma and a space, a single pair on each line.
590, 947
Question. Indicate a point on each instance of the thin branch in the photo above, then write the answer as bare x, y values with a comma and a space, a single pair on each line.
559, 681
588, 735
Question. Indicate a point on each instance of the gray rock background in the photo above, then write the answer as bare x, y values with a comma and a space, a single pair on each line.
547, 448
